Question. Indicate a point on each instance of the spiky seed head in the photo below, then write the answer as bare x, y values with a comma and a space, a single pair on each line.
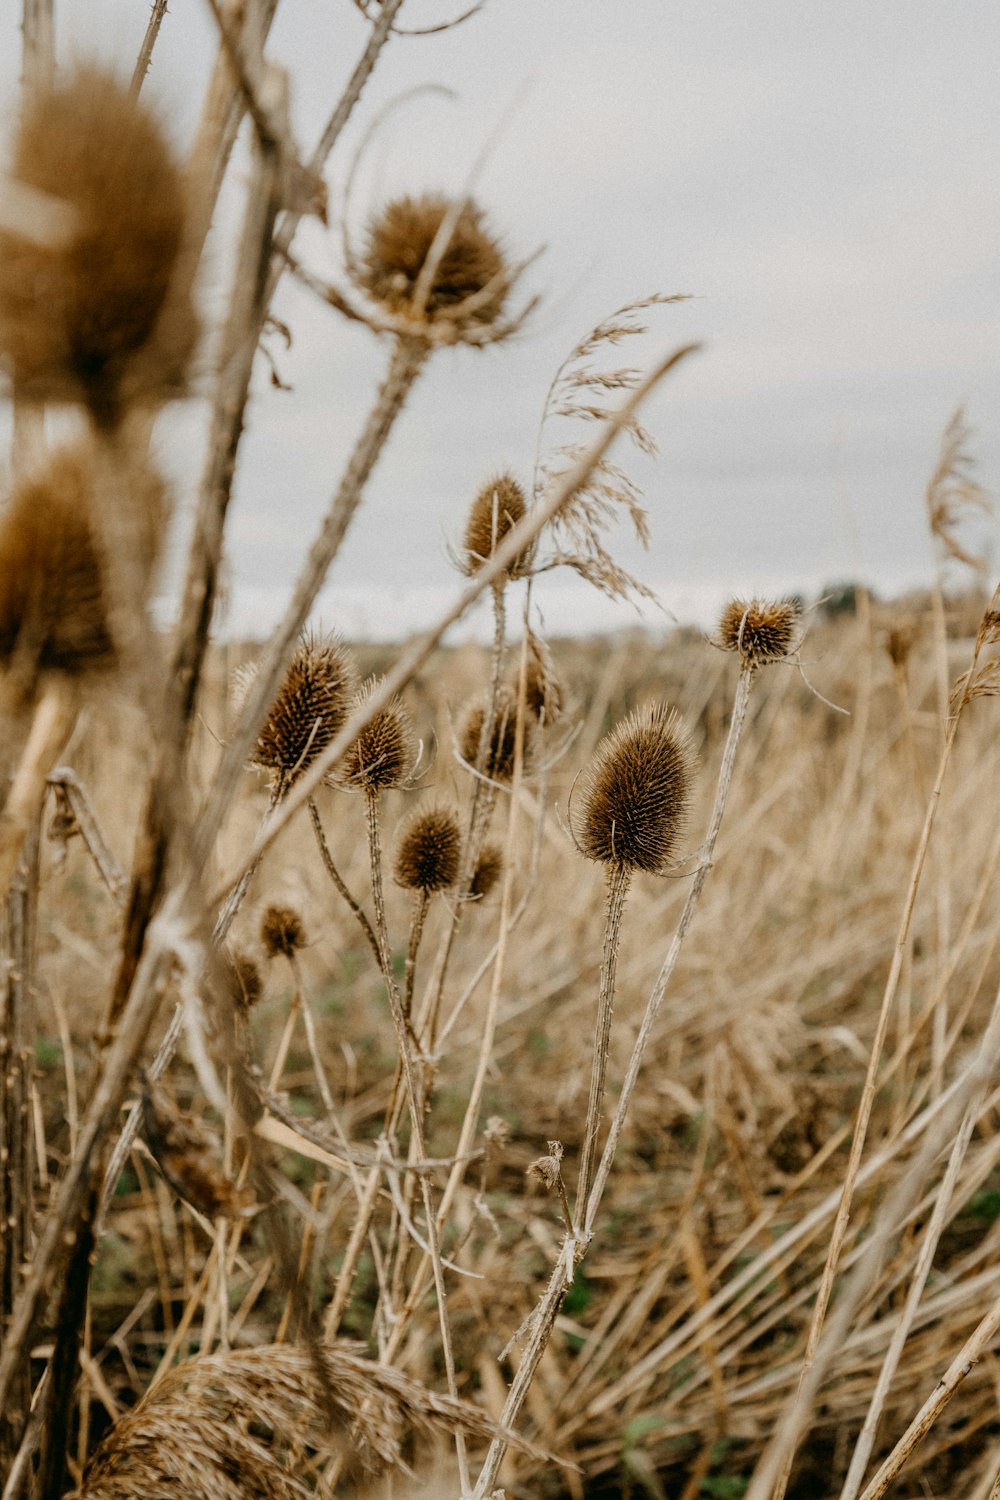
245, 980
473, 265
309, 711
761, 630
103, 313
496, 510
489, 868
500, 752
54, 609
635, 793
428, 850
543, 690
384, 753
281, 931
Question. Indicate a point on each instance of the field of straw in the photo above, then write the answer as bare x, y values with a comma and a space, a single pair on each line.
556, 1068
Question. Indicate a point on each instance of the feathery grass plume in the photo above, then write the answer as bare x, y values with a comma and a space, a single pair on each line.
760, 630
105, 314
471, 280
636, 791
428, 850
495, 511
498, 764
281, 931
309, 711
384, 753
247, 1422
489, 868
54, 605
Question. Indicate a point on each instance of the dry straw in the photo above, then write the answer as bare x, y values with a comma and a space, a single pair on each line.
104, 314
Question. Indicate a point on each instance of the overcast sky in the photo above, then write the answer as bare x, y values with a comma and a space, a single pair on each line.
820, 176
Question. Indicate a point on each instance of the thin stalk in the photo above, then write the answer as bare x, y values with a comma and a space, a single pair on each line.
338, 881
619, 879
158, 10
421, 901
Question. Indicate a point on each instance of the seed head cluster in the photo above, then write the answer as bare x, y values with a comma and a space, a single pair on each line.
500, 752
496, 510
472, 266
383, 754
428, 850
54, 612
99, 313
635, 793
760, 631
281, 931
309, 711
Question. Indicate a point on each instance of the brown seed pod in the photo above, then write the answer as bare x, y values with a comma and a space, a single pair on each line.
635, 793
489, 868
428, 850
54, 609
105, 313
384, 753
281, 931
472, 267
309, 711
760, 631
500, 753
496, 510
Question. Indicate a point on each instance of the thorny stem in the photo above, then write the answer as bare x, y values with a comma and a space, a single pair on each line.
421, 901
574, 1247
338, 880
157, 12
618, 882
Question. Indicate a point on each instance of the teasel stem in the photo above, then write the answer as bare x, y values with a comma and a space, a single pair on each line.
574, 1247
619, 879
339, 883
157, 12
421, 901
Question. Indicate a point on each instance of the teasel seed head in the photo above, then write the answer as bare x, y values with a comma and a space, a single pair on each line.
500, 753
309, 711
54, 608
473, 265
104, 314
281, 931
245, 980
634, 795
428, 850
496, 510
489, 868
543, 690
760, 631
384, 753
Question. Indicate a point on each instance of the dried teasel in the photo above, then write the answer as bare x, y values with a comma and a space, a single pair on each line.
489, 868
54, 605
495, 511
384, 754
498, 763
634, 796
309, 711
471, 280
760, 630
428, 850
245, 983
281, 931
102, 314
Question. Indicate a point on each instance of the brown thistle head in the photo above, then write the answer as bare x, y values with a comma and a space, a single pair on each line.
498, 764
281, 931
103, 313
634, 795
309, 711
760, 631
384, 753
54, 606
494, 512
471, 281
428, 850
489, 868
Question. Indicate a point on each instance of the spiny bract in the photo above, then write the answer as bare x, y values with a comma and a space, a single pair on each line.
635, 793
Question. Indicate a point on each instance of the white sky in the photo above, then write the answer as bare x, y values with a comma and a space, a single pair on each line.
821, 176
